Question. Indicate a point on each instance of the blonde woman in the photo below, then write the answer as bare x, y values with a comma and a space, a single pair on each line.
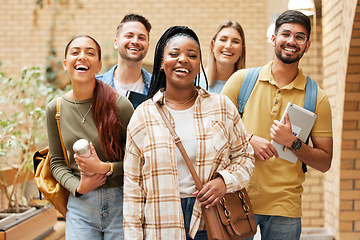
227, 55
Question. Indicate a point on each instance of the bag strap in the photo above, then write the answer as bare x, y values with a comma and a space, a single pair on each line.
209, 214
310, 94
179, 144
249, 83
247, 87
57, 116
309, 103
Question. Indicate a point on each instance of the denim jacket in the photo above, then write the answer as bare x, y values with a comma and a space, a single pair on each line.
108, 78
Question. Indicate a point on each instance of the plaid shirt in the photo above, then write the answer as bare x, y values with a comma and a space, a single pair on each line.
152, 208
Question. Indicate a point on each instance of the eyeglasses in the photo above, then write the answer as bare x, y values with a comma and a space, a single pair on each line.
300, 38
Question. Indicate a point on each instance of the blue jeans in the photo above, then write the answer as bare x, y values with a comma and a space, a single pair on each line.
187, 205
278, 228
95, 215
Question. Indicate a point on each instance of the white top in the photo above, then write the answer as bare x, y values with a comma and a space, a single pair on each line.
137, 86
185, 129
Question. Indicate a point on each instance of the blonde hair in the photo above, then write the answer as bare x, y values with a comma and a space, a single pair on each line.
240, 64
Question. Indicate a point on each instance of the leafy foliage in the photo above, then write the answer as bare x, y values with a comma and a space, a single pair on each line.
22, 120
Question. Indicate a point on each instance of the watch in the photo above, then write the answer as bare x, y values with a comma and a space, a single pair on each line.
296, 144
77, 194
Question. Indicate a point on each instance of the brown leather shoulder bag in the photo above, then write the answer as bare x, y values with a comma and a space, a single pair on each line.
232, 218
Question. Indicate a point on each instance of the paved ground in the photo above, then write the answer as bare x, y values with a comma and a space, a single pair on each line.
58, 233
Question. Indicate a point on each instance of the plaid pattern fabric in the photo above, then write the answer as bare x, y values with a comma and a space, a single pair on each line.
152, 208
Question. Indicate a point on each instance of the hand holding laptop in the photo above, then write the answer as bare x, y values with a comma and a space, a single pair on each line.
281, 131
301, 122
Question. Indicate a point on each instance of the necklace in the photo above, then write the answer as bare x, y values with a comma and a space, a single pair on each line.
181, 103
83, 117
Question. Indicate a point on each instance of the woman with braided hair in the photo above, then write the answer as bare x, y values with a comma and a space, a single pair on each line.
160, 199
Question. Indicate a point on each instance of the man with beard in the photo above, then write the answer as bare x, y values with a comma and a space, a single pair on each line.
132, 44
275, 188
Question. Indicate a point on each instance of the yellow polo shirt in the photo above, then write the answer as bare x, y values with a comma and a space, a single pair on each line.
276, 185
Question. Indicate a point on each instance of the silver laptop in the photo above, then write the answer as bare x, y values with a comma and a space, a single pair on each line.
302, 121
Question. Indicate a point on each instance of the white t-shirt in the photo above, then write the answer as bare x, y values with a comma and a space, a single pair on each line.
185, 129
137, 86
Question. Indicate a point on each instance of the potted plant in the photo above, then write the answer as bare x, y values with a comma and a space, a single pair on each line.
22, 132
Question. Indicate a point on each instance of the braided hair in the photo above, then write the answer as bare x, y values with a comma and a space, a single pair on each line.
158, 78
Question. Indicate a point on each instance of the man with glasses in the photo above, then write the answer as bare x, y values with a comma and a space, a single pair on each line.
275, 188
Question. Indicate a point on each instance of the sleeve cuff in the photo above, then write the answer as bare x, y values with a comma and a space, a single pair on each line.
228, 179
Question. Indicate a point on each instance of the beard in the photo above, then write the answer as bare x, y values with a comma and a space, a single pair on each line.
286, 58
133, 58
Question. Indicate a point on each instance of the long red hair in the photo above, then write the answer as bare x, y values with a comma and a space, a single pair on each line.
111, 131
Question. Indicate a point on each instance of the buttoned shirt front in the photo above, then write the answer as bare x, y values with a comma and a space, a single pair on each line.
152, 208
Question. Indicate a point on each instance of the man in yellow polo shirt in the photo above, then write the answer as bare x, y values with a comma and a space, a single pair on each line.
276, 185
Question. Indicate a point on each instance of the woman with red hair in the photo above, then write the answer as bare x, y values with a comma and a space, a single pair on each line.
92, 110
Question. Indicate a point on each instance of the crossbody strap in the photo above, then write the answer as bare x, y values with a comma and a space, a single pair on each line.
179, 144
57, 116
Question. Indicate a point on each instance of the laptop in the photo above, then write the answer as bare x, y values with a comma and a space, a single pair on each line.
302, 121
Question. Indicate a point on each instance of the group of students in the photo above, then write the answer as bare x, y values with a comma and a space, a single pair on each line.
142, 188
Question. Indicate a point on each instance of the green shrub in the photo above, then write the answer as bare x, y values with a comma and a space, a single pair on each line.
22, 120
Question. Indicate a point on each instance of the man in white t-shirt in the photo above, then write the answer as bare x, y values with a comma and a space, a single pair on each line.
132, 44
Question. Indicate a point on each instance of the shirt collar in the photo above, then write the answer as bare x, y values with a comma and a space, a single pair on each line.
159, 96
299, 82
202, 92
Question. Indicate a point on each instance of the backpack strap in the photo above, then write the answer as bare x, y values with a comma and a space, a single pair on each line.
309, 103
247, 87
249, 83
310, 94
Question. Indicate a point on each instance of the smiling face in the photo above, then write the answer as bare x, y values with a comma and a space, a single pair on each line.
132, 41
227, 46
181, 62
289, 51
82, 58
